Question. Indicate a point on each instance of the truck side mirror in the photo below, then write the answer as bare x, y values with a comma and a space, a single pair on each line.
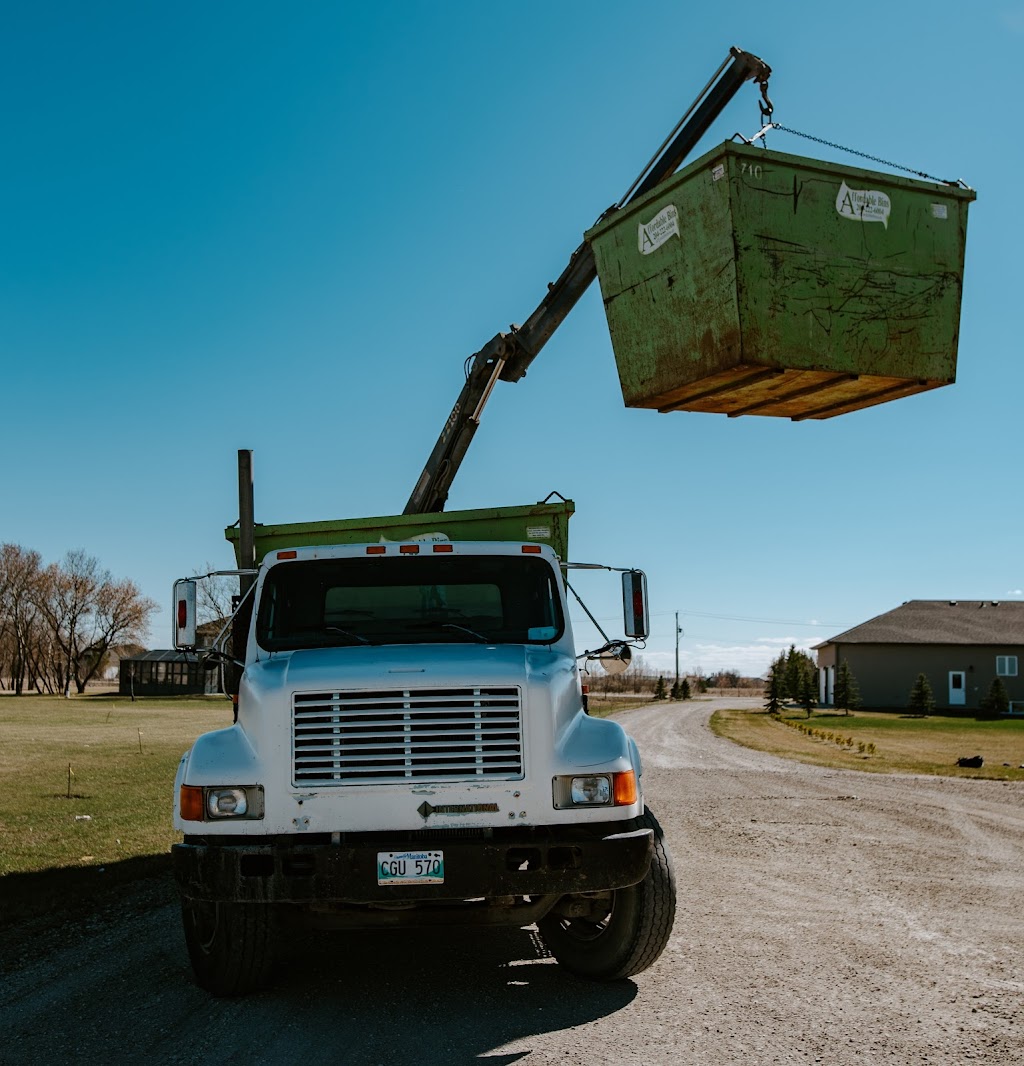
636, 619
185, 614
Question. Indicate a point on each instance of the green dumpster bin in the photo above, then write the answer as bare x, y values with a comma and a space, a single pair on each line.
754, 282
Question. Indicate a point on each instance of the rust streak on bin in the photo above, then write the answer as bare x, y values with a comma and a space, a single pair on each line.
755, 282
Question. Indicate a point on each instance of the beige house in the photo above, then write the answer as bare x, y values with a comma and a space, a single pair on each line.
960, 645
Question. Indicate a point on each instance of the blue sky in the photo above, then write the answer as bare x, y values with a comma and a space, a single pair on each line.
284, 227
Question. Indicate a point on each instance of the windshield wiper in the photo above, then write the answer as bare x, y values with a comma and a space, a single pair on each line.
465, 629
346, 633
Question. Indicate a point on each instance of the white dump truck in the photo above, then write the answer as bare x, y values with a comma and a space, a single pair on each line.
412, 745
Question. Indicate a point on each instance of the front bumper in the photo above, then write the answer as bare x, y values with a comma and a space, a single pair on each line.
556, 861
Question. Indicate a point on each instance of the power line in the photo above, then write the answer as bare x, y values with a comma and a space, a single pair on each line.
726, 641
745, 618
763, 621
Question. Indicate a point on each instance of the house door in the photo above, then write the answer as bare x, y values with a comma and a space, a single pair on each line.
957, 688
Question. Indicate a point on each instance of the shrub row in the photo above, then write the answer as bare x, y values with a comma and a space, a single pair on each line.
828, 737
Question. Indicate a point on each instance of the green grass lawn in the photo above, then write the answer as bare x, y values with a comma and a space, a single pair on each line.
123, 757
902, 744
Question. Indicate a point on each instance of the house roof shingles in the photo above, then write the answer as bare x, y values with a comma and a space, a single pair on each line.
942, 622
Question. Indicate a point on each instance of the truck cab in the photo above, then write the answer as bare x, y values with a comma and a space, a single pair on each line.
412, 748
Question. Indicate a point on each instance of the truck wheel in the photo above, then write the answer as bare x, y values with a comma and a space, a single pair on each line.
230, 945
632, 933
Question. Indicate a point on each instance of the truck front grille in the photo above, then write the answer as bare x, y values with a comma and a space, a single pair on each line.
445, 734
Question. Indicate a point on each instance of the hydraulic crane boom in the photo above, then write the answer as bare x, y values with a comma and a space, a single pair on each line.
508, 355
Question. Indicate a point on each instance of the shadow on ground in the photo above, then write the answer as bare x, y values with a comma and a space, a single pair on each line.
63, 892
71, 900
429, 996
435, 996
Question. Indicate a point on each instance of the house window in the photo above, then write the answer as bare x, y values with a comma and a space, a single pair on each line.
1006, 665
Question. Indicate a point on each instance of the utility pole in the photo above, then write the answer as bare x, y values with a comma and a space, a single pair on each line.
679, 633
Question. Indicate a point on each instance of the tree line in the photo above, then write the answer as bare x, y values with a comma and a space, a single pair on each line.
793, 676
60, 623
642, 678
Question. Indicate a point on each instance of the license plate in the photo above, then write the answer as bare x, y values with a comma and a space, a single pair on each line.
410, 867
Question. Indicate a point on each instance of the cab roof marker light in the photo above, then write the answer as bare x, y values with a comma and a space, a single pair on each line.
442, 548
409, 549
288, 555
531, 549
376, 549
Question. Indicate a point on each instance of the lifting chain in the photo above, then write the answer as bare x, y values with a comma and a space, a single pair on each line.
863, 155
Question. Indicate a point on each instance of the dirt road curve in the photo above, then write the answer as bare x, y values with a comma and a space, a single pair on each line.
824, 917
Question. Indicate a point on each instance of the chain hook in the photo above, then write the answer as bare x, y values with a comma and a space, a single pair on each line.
766, 106
765, 103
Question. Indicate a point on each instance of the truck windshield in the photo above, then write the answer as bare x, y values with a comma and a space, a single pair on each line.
498, 599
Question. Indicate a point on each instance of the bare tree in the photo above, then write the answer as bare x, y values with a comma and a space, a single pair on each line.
87, 613
43, 662
214, 596
120, 616
65, 597
20, 623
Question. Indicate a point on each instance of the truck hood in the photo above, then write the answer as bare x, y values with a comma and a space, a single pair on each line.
406, 666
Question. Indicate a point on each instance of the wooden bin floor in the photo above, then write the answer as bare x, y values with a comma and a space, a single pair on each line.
796, 394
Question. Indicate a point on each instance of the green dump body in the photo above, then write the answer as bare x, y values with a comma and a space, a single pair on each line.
754, 282
542, 523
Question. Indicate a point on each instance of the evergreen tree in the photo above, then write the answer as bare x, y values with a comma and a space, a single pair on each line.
807, 686
791, 674
779, 668
684, 689
772, 691
659, 689
921, 699
847, 694
674, 693
791, 666
998, 699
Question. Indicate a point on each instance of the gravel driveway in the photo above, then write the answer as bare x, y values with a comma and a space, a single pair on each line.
824, 916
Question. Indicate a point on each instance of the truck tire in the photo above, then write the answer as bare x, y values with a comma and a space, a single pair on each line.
633, 933
230, 945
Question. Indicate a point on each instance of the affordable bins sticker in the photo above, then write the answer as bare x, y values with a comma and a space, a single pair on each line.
864, 205
420, 538
652, 235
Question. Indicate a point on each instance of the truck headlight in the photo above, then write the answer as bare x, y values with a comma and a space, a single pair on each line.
595, 790
226, 802
590, 791
212, 804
